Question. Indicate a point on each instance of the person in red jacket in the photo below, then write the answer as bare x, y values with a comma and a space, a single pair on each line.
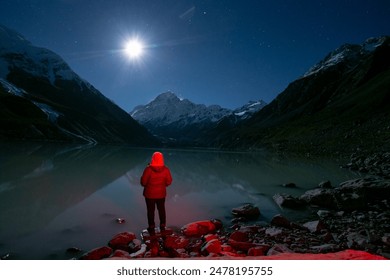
155, 179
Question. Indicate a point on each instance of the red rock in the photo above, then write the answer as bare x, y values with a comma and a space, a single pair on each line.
209, 237
213, 246
121, 254
259, 250
242, 246
226, 248
163, 254
121, 240
176, 242
239, 236
199, 228
97, 253
195, 246
153, 246
232, 254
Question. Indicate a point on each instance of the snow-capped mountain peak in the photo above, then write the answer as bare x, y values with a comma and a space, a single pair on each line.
176, 119
17, 52
346, 53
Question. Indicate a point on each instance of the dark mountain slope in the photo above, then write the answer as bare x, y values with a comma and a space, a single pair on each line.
338, 108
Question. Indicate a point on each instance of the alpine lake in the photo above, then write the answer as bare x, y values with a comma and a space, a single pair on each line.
54, 197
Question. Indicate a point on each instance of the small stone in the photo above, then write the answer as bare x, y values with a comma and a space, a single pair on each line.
289, 185
278, 249
5, 256
315, 226
73, 250
259, 250
272, 231
323, 213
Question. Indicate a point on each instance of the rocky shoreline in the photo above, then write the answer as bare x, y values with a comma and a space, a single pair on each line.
352, 216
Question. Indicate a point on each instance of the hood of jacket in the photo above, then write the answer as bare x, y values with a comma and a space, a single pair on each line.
157, 160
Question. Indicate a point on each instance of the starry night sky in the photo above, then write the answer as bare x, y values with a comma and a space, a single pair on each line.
223, 52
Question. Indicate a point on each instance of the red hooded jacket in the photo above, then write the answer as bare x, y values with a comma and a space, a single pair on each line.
156, 178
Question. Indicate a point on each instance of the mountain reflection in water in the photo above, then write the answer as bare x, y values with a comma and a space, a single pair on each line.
53, 197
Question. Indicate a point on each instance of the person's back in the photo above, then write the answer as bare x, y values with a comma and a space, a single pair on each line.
155, 179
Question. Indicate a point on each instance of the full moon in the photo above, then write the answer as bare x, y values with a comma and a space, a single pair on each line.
134, 48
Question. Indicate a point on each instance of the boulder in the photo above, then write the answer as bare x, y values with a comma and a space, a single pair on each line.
320, 197
247, 211
200, 228
97, 253
209, 237
288, 201
121, 240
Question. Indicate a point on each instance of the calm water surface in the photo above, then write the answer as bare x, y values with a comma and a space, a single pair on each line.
54, 197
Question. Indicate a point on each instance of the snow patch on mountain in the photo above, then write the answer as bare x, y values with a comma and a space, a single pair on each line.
11, 89
249, 109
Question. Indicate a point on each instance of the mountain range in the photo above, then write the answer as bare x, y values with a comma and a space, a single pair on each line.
41, 98
341, 104
177, 121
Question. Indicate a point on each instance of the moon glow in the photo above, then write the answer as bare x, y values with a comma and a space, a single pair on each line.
134, 48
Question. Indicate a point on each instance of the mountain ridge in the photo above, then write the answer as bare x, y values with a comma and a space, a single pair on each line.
41, 98
339, 108
176, 120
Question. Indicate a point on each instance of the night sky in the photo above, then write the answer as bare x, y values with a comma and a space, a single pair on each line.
224, 52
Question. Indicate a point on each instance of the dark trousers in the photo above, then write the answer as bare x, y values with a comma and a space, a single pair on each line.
151, 206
